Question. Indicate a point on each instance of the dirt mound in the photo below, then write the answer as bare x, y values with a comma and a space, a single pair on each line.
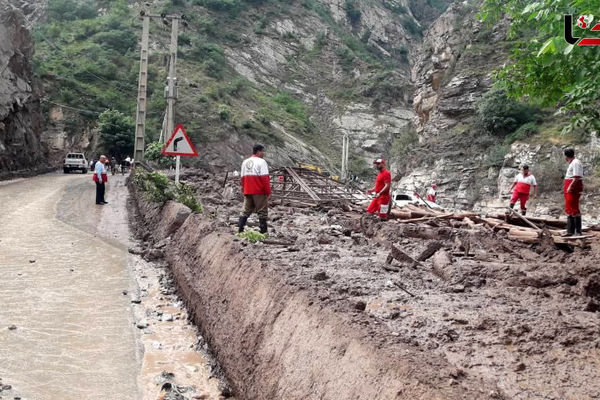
330, 310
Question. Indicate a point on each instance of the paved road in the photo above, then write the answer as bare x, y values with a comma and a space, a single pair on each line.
63, 267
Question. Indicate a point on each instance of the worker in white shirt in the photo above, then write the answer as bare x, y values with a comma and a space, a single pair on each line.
572, 188
521, 188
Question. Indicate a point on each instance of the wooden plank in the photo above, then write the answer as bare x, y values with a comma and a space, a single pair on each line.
522, 217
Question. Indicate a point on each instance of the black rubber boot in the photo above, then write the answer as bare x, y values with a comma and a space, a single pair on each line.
242, 223
570, 226
512, 205
262, 225
577, 230
523, 212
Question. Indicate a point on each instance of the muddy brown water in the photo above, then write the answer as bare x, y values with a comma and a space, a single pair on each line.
60, 287
66, 282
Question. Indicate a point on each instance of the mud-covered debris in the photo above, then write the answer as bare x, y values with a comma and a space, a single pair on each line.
320, 276
430, 250
12, 327
142, 324
442, 263
520, 367
397, 254
592, 287
592, 306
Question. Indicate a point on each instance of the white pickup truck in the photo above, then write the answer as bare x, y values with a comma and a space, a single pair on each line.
400, 199
75, 161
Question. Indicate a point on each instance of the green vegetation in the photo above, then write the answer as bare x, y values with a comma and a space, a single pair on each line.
501, 115
87, 55
252, 236
352, 11
545, 67
153, 154
116, 133
69, 10
159, 189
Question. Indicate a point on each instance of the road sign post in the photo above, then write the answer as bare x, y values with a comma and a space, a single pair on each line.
179, 144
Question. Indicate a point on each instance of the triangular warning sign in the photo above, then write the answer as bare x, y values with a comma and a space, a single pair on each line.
179, 144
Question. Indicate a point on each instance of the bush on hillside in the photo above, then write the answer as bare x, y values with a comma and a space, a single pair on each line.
352, 11
500, 115
69, 10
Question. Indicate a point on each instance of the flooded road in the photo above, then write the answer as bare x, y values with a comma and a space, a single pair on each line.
61, 288
72, 300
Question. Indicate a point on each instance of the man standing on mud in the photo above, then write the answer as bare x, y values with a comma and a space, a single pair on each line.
521, 188
100, 177
256, 186
381, 191
572, 188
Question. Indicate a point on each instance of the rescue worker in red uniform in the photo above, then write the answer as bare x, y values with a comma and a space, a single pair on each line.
432, 193
256, 186
572, 188
381, 191
521, 188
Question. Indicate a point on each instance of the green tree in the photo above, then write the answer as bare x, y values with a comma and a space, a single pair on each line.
116, 133
544, 66
68, 10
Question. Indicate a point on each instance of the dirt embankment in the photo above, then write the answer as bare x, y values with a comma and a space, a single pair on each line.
328, 311
278, 323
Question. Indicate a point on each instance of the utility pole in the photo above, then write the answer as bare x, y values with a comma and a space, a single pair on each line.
345, 152
170, 91
140, 115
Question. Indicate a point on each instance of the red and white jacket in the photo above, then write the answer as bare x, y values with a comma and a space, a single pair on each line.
255, 176
524, 183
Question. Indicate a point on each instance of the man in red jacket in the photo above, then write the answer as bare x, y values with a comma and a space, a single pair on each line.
381, 191
256, 186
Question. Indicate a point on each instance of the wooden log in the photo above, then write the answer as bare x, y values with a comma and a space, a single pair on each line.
522, 218
422, 219
400, 214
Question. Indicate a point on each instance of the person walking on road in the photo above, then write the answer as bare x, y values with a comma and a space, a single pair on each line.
572, 188
256, 186
381, 191
100, 177
521, 188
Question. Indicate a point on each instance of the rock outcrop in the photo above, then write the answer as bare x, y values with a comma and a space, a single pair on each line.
451, 72
20, 111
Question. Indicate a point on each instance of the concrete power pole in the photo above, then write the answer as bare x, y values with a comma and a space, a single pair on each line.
140, 115
345, 152
172, 89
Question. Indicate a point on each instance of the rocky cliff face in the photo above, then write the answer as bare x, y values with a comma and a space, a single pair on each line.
20, 114
451, 71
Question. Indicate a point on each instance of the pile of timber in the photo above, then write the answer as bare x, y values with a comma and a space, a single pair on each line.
523, 229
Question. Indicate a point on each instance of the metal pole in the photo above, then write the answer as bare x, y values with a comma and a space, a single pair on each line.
177, 166
140, 115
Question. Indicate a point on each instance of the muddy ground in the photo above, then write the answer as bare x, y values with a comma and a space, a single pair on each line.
480, 309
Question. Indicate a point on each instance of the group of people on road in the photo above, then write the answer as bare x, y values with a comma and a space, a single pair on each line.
100, 177
256, 186
114, 166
